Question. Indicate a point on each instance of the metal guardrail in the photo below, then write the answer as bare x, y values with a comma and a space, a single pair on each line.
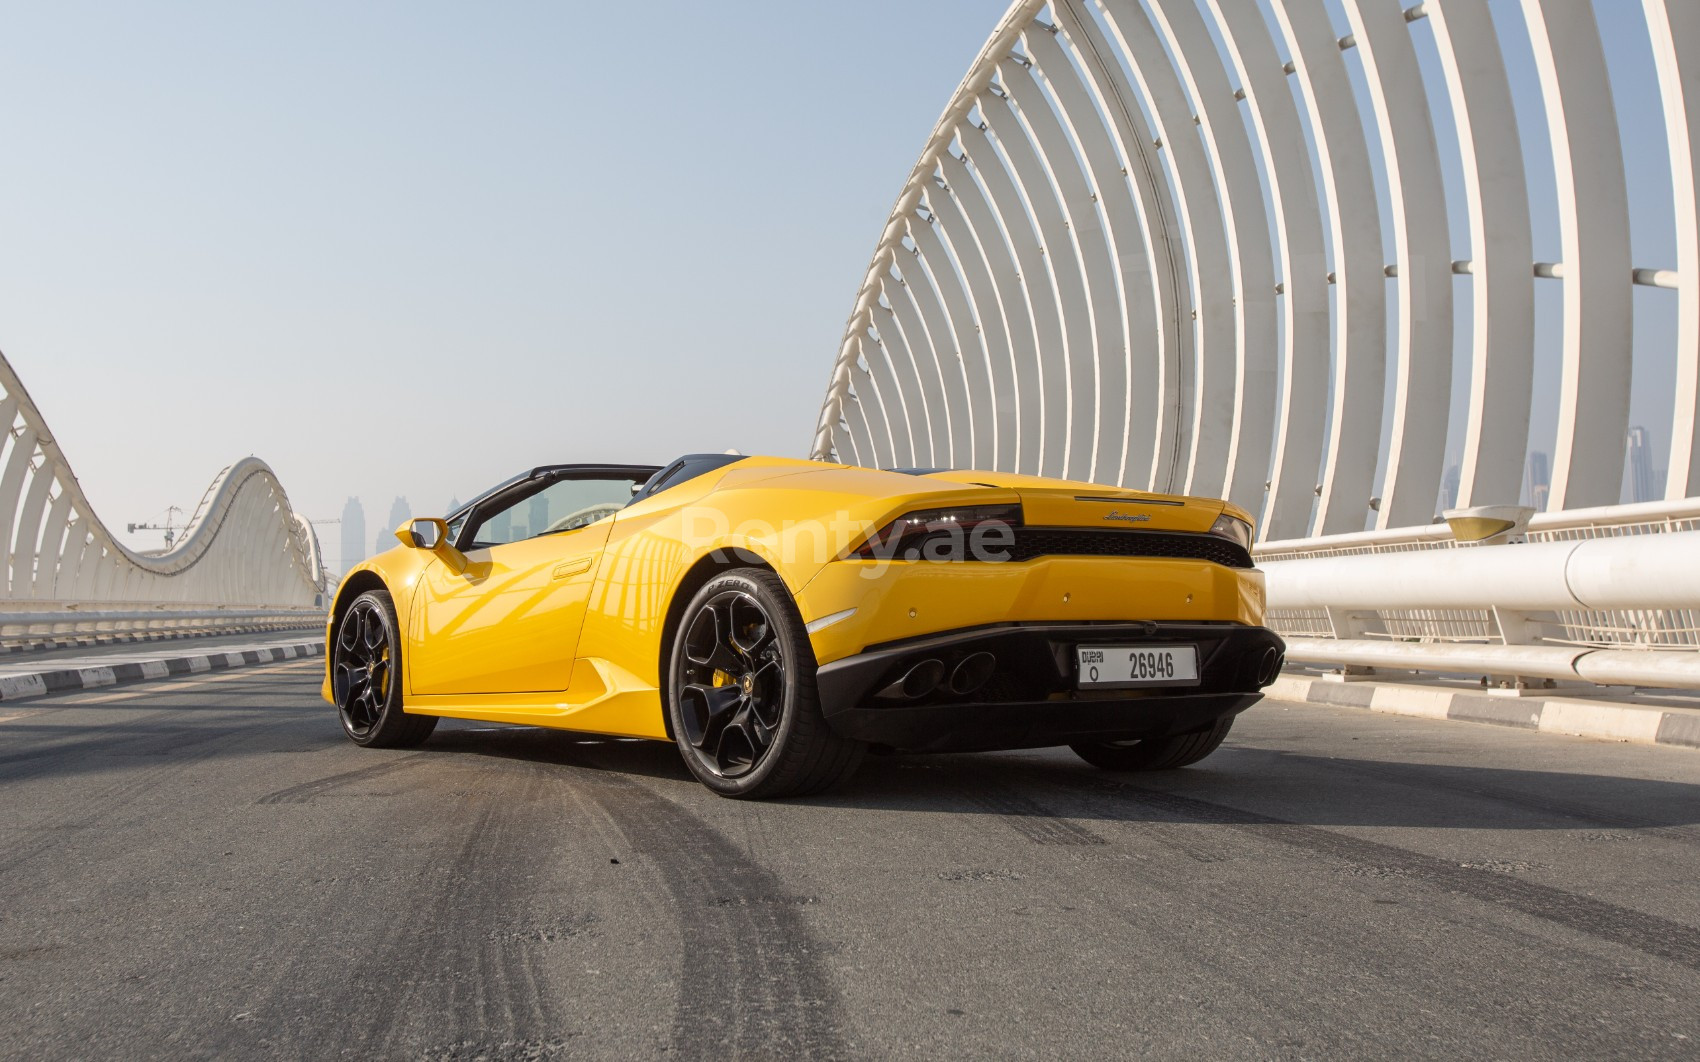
1573, 600
24, 626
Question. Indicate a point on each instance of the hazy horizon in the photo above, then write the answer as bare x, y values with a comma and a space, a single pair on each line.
410, 249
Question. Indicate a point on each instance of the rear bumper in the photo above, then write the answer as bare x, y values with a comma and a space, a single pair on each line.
1031, 700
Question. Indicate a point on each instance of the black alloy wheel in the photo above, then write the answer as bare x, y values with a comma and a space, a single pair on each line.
742, 693
366, 677
733, 687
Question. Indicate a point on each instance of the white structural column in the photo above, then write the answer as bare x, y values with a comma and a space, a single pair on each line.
928, 370
853, 429
1093, 410
1210, 401
1043, 386
1298, 224
947, 355
892, 404
1496, 192
1593, 215
1000, 307
1360, 335
914, 376
976, 390
1156, 373
1424, 262
1073, 403
1252, 256
1131, 334
1674, 26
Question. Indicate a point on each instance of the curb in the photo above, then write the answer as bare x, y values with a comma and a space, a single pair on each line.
42, 683
1604, 720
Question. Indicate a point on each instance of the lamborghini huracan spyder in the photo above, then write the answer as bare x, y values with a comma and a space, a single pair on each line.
776, 618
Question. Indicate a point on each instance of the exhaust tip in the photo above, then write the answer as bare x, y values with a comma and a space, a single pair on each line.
972, 672
1269, 666
918, 681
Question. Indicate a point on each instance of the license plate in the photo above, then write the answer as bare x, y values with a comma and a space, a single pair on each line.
1111, 666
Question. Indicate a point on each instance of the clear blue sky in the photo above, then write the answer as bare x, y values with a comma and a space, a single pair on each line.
410, 248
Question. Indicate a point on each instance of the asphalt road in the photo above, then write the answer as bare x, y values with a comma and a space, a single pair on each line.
207, 868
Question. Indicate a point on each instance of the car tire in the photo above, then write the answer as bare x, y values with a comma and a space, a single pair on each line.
1155, 754
741, 696
366, 677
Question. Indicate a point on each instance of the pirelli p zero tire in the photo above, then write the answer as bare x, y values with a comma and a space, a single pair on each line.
1159, 754
366, 676
741, 693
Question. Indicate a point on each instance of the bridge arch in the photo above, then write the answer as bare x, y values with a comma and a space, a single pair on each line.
244, 545
1201, 244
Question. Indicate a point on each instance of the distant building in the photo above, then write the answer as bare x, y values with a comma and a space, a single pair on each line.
1643, 479
539, 513
1449, 488
399, 514
1537, 481
353, 534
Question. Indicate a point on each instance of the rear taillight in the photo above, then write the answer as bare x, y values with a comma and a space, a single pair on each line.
1234, 530
979, 532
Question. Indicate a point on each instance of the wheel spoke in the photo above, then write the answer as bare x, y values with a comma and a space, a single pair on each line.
749, 630
767, 696
375, 635
735, 754
369, 706
705, 641
761, 734
704, 711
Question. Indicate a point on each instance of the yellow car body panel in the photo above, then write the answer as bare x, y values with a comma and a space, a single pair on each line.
468, 618
911, 599
484, 642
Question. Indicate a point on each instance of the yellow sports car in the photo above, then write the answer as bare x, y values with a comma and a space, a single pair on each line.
777, 618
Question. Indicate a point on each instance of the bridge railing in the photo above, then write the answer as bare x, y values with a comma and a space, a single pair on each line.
25, 625
245, 561
1608, 595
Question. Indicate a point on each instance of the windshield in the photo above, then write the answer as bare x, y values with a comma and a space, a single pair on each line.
554, 506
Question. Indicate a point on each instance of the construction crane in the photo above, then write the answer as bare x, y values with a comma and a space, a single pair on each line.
173, 524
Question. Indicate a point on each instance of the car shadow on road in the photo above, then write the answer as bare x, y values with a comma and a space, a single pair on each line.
1238, 786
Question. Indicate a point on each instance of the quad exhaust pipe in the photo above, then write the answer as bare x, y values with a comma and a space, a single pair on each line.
972, 672
921, 679
926, 676
1269, 666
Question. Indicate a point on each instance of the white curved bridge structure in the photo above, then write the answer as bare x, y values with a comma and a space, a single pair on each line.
246, 560
1205, 246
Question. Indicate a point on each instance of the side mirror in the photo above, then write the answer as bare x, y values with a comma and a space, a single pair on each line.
423, 533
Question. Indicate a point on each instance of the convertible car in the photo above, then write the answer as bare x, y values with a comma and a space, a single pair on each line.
778, 618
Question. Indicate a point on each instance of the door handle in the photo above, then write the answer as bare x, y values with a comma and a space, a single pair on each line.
571, 568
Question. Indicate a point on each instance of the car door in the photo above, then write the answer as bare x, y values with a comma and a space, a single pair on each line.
509, 621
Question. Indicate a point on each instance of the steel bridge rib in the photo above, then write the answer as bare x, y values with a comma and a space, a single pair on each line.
1145, 245
243, 546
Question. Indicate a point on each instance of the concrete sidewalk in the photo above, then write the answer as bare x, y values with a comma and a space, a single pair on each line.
1640, 723
21, 678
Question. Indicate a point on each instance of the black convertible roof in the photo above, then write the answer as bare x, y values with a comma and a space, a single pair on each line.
655, 478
